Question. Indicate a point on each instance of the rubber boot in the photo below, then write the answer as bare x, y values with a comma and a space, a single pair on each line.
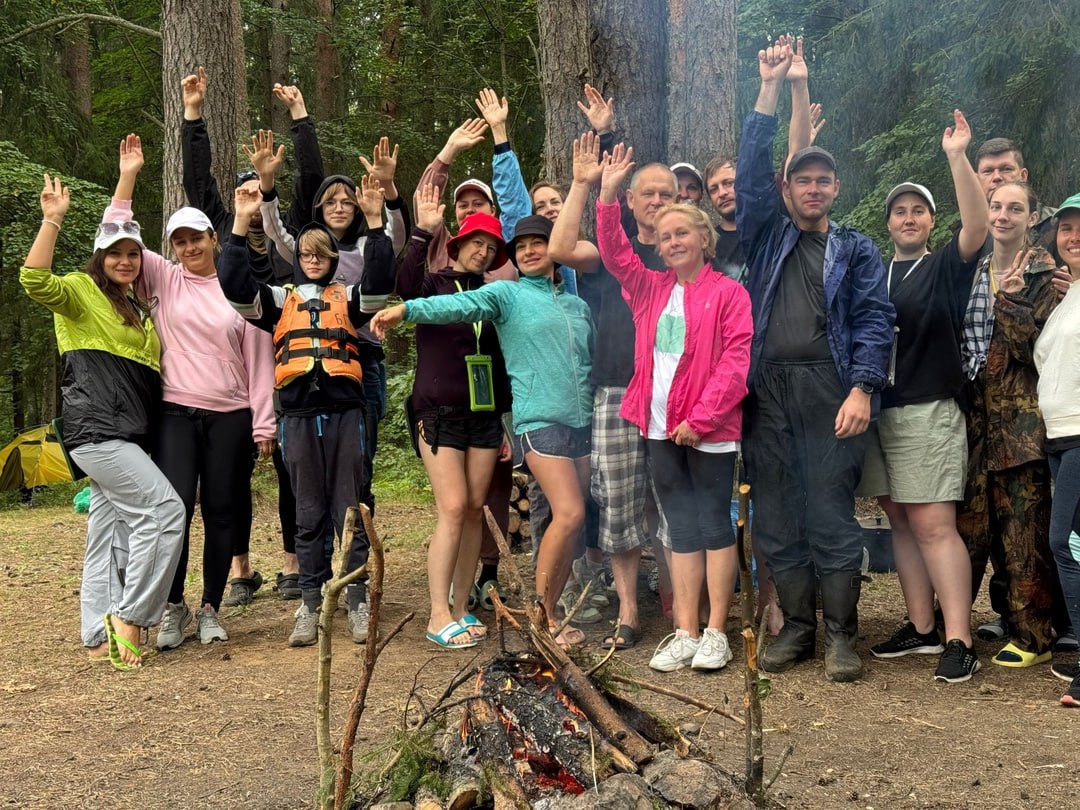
797, 590
840, 610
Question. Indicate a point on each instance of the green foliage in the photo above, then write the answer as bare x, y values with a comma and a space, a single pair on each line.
416, 767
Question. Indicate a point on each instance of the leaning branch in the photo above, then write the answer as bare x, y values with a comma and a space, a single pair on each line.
76, 18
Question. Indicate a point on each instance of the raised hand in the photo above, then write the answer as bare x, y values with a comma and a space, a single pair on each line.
387, 319
774, 62
291, 97
799, 70
246, 203
616, 167
262, 156
587, 166
468, 135
816, 121
369, 197
601, 113
383, 164
131, 154
193, 89
494, 109
429, 209
55, 199
956, 139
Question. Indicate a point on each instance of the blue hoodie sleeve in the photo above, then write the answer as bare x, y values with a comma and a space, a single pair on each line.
871, 316
489, 303
510, 190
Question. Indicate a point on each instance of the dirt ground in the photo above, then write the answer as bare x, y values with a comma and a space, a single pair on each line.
231, 725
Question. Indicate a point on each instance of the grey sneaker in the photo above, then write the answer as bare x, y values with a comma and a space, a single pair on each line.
173, 621
306, 630
358, 622
208, 627
586, 572
714, 652
586, 614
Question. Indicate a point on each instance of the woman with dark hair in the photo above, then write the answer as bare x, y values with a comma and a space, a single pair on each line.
217, 391
111, 392
549, 381
1006, 510
460, 435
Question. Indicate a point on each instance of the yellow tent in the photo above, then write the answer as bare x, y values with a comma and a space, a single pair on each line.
33, 459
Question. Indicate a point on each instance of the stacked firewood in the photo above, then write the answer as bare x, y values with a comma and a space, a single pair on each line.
519, 530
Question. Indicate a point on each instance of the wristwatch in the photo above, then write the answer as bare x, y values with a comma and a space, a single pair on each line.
865, 387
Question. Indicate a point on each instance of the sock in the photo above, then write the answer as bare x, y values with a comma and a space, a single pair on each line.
488, 571
355, 595
312, 599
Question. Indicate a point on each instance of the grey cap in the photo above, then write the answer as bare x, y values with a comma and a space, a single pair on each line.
810, 153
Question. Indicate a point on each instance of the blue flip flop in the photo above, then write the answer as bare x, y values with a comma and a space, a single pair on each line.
451, 631
477, 629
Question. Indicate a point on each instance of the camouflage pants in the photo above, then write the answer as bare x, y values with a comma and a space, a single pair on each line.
1006, 515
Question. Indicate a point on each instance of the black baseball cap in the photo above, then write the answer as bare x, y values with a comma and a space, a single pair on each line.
807, 155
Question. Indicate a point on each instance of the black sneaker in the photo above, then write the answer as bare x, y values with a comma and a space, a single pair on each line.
958, 663
908, 640
1066, 671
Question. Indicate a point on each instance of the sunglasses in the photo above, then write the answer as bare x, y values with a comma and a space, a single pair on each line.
243, 177
113, 228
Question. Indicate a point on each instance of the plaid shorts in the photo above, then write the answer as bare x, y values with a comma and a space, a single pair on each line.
619, 474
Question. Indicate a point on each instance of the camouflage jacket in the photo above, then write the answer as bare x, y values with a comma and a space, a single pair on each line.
1015, 433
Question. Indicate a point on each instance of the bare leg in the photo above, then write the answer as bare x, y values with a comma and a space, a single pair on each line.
947, 563
720, 568
687, 577
289, 563
241, 567
910, 567
479, 466
563, 482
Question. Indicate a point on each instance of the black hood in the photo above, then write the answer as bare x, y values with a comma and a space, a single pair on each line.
358, 227
298, 274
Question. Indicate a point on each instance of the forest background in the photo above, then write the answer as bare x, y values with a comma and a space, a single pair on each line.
76, 76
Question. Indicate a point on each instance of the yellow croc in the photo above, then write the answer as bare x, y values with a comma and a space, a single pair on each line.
1012, 656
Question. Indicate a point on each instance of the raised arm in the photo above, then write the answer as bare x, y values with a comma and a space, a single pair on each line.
309, 166
774, 62
257, 302
200, 187
267, 161
383, 167
564, 245
413, 271
36, 277
970, 198
798, 76
615, 249
377, 281
509, 186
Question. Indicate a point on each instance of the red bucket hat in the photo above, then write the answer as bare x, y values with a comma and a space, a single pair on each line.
483, 223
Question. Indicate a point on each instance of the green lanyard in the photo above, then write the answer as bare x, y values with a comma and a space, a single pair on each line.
478, 326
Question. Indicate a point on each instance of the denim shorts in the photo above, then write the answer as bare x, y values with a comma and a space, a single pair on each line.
554, 441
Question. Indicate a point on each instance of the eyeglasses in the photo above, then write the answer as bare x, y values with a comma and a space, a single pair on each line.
306, 258
344, 205
112, 228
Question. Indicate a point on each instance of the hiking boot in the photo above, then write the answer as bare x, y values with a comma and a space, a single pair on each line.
675, 652
173, 621
714, 652
840, 592
358, 622
908, 640
993, 630
958, 663
306, 630
208, 627
797, 590
589, 573
586, 614
1066, 671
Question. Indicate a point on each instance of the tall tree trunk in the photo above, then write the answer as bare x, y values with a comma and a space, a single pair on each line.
77, 68
628, 51
272, 57
701, 65
565, 67
327, 80
194, 33
391, 52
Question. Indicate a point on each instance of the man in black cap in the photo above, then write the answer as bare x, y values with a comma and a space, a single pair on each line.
822, 338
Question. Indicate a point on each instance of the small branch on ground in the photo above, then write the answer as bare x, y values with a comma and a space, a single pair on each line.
687, 699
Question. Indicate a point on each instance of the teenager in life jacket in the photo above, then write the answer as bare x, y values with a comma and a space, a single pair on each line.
315, 323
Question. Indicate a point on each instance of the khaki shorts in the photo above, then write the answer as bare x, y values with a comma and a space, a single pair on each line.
916, 454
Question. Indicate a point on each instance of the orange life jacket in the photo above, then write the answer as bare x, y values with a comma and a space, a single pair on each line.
316, 329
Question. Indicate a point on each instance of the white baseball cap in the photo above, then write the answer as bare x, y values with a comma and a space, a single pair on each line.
188, 217
479, 185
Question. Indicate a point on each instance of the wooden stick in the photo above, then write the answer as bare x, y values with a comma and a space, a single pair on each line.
687, 699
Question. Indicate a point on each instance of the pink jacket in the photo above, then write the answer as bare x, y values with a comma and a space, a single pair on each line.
710, 381
211, 357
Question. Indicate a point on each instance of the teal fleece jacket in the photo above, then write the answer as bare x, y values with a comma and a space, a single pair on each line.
547, 339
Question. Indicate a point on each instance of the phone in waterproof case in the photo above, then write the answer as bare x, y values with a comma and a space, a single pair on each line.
481, 389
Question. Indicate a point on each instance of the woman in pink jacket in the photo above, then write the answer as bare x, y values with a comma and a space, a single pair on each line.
217, 380
691, 357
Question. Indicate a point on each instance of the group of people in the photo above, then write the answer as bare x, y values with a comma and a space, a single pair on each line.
627, 373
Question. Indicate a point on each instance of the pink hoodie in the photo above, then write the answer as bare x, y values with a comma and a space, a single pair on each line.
211, 357
710, 381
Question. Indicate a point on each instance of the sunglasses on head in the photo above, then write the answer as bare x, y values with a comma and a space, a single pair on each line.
111, 228
243, 177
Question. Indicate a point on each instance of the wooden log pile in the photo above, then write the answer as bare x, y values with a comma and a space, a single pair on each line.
519, 531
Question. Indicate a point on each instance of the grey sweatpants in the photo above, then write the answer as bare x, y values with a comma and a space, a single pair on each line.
133, 537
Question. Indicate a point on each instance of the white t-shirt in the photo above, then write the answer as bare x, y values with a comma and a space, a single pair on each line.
667, 351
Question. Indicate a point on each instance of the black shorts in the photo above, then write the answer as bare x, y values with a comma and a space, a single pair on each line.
459, 429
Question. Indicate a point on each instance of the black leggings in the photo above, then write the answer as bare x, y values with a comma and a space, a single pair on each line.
694, 488
196, 446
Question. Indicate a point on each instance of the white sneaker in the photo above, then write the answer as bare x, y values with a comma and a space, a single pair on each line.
208, 627
714, 652
675, 652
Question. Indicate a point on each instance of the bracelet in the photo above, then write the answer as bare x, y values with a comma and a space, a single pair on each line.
54, 223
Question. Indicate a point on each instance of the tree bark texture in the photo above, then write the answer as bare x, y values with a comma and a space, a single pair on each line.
565, 67
77, 68
701, 67
194, 33
327, 79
